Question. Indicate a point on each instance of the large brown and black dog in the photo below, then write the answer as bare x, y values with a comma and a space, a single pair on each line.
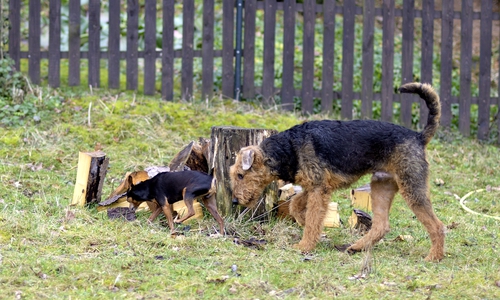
322, 156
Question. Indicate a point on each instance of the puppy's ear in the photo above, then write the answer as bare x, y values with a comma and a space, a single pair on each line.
247, 159
130, 180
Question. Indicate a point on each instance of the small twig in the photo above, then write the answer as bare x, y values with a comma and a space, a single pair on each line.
88, 119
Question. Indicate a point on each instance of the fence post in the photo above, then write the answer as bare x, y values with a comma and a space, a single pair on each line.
237, 71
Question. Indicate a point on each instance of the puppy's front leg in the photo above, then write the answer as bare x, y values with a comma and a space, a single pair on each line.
167, 210
154, 214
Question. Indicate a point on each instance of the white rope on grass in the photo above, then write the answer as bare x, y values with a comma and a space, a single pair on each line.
462, 200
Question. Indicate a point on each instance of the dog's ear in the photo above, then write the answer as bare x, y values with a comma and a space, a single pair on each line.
247, 159
130, 180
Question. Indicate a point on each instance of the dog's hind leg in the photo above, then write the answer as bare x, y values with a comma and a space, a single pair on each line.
298, 207
383, 188
316, 208
188, 200
211, 206
419, 202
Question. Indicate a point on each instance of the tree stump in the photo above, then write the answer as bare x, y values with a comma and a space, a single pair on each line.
226, 142
92, 169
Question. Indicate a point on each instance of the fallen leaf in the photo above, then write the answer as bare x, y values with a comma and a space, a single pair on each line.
439, 182
251, 243
218, 280
403, 238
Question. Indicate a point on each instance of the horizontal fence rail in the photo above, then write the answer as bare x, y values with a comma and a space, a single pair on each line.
277, 72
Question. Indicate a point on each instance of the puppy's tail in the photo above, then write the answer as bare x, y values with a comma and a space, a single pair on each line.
431, 98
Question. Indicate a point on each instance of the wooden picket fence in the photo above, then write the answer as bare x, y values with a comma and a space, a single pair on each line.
308, 13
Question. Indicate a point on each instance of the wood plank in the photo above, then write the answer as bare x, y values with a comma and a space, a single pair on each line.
227, 48
407, 60
387, 59
207, 50
287, 84
484, 70
187, 49
368, 53
269, 40
249, 49
94, 53
328, 55
446, 62
54, 43
149, 47
74, 43
167, 61
465, 67
34, 41
114, 45
427, 52
132, 44
308, 57
348, 59
15, 33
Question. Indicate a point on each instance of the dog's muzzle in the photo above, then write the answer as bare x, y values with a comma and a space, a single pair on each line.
235, 201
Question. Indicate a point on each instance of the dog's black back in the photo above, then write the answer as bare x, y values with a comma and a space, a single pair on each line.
170, 185
351, 147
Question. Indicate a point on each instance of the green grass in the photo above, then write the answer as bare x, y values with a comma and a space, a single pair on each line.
49, 249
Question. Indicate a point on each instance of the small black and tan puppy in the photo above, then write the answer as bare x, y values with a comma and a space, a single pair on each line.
169, 187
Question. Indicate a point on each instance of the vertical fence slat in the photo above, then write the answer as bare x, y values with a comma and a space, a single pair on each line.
484, 70
114, 45
427, 52
367, 59
187, 49
149, 47
249, 49
167, 58
227, 48
74, 43
465, 67
287, 84
207, 49
407, 60
498, 104
54, 43
269, 40
15, 32
308, 57
34, 41
387, 59
348, 59
446, 61
94, 53
328, 53
132, 44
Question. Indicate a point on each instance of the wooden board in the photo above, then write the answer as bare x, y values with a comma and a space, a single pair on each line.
92, 168
360, 199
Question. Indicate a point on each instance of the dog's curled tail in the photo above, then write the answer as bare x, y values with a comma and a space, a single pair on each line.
431, 98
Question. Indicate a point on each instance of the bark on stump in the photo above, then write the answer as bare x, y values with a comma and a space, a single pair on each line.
226, 142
